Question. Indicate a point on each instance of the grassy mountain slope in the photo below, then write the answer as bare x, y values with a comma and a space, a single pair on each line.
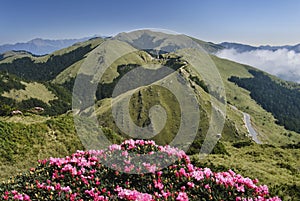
152, 40
32, 90
263, 121
146, 97
10, 56
283, 103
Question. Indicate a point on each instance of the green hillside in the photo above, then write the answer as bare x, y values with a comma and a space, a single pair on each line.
263, 121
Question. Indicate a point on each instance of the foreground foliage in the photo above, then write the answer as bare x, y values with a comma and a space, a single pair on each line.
134, 170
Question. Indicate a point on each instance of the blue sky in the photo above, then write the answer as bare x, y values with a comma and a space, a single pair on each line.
274, 22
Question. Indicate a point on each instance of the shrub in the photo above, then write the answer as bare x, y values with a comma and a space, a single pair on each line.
242, 144
118, 173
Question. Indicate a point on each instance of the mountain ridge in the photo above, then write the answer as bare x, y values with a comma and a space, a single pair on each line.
240, 47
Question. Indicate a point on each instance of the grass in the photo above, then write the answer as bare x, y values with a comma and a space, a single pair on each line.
158, 96
134, 57
116, 49
92, 42
32, 90
54, 137
25, 119
34, 137
10, 56
68, 73
207, 46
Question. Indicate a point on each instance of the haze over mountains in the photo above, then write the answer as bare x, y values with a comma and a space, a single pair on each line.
246, 48
282, 61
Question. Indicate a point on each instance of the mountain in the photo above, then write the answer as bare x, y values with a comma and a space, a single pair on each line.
29, 81
58, 70
165, 42
245, 48
39, 46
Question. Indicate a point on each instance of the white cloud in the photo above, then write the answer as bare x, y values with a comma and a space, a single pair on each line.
282, 62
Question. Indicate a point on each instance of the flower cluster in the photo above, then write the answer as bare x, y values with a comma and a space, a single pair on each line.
16, 196
133, 170
133, 195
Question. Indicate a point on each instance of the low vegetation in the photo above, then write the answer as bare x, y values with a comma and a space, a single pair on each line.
120, 173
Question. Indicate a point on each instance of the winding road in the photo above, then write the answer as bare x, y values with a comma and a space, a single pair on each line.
250, 129
247, 121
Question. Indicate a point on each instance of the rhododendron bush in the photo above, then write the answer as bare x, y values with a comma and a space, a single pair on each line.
134, 170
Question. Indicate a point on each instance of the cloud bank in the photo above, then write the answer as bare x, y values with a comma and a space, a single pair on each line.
282, 62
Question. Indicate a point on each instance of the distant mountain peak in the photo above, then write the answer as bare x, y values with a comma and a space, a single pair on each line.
38, 42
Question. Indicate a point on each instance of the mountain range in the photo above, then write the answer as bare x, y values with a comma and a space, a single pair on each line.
39, 46
246, 48
269, 103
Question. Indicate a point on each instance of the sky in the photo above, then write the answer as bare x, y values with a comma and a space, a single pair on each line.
254, 22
